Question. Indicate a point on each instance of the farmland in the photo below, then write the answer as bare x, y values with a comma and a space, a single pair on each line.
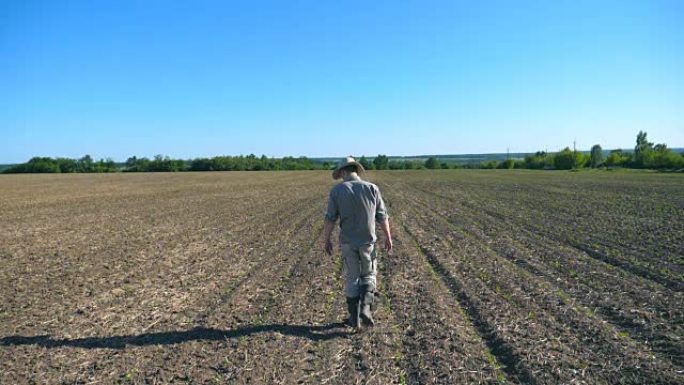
497, 277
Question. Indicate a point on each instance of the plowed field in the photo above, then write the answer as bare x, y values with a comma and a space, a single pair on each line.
496, 277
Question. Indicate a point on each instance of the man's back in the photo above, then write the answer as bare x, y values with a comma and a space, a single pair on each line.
358, 204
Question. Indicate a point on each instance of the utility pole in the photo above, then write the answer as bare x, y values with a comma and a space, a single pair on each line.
574, 153
508, 154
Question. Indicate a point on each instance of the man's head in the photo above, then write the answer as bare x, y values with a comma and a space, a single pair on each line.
346, 167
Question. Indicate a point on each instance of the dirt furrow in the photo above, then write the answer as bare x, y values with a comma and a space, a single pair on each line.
131, 263
592, 289
501, 281
229, 328
439, 344
190, 333
279, 300
181, 270
629, 263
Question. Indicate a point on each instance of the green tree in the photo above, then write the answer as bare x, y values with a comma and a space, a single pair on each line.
432, 163
596, 157
103, 165
131, 162
489, 165
642, 143
260, 163
66, 165
617, 158
537, 161
85, 164
506, 164
564, 160
381, 162
367, 164
41, 165
201, 164
395, 165
662, 157
643, 151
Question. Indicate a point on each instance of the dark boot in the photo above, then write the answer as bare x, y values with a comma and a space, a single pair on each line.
367, 298
353, 309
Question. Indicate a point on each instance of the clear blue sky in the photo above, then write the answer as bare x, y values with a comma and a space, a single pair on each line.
330, 78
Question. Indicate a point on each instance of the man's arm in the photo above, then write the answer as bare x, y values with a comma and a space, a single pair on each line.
327, 231
385, 226
382, 218
331, 215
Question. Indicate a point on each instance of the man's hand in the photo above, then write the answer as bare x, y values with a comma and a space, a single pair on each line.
388, 244
328, 247
385, 226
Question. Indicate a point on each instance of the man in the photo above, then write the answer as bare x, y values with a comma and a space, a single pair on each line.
358, 205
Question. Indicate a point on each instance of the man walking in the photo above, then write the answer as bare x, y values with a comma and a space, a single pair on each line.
358, 205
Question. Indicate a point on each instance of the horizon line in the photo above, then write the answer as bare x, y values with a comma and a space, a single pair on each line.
676, 149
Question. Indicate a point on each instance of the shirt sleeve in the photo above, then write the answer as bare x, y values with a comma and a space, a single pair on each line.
380, 209
332, 213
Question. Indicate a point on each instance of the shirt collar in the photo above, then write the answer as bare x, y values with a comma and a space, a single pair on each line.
351, 177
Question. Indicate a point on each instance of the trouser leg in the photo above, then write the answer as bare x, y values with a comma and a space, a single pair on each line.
351, 288
360, 268
368, 267
352, 270
367, 283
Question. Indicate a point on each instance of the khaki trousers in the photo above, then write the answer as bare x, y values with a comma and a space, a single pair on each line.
360, 268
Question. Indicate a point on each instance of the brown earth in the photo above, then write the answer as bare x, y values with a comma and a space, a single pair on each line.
497, 276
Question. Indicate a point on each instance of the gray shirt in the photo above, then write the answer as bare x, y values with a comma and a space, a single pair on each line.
358, 205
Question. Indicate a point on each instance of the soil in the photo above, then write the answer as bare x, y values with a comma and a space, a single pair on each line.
497, 276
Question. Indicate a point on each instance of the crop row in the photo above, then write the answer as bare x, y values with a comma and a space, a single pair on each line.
526, 313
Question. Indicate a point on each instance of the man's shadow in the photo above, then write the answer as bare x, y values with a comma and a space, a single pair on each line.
313, 332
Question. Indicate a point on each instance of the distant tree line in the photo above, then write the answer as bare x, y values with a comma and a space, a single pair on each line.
165, 164
645, 155
63, 165
252, 163
382, 162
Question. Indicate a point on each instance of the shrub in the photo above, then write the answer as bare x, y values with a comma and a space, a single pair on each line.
506, 164
432, 163
381, 162
489, 165
617, 158
539, 160
568, 159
